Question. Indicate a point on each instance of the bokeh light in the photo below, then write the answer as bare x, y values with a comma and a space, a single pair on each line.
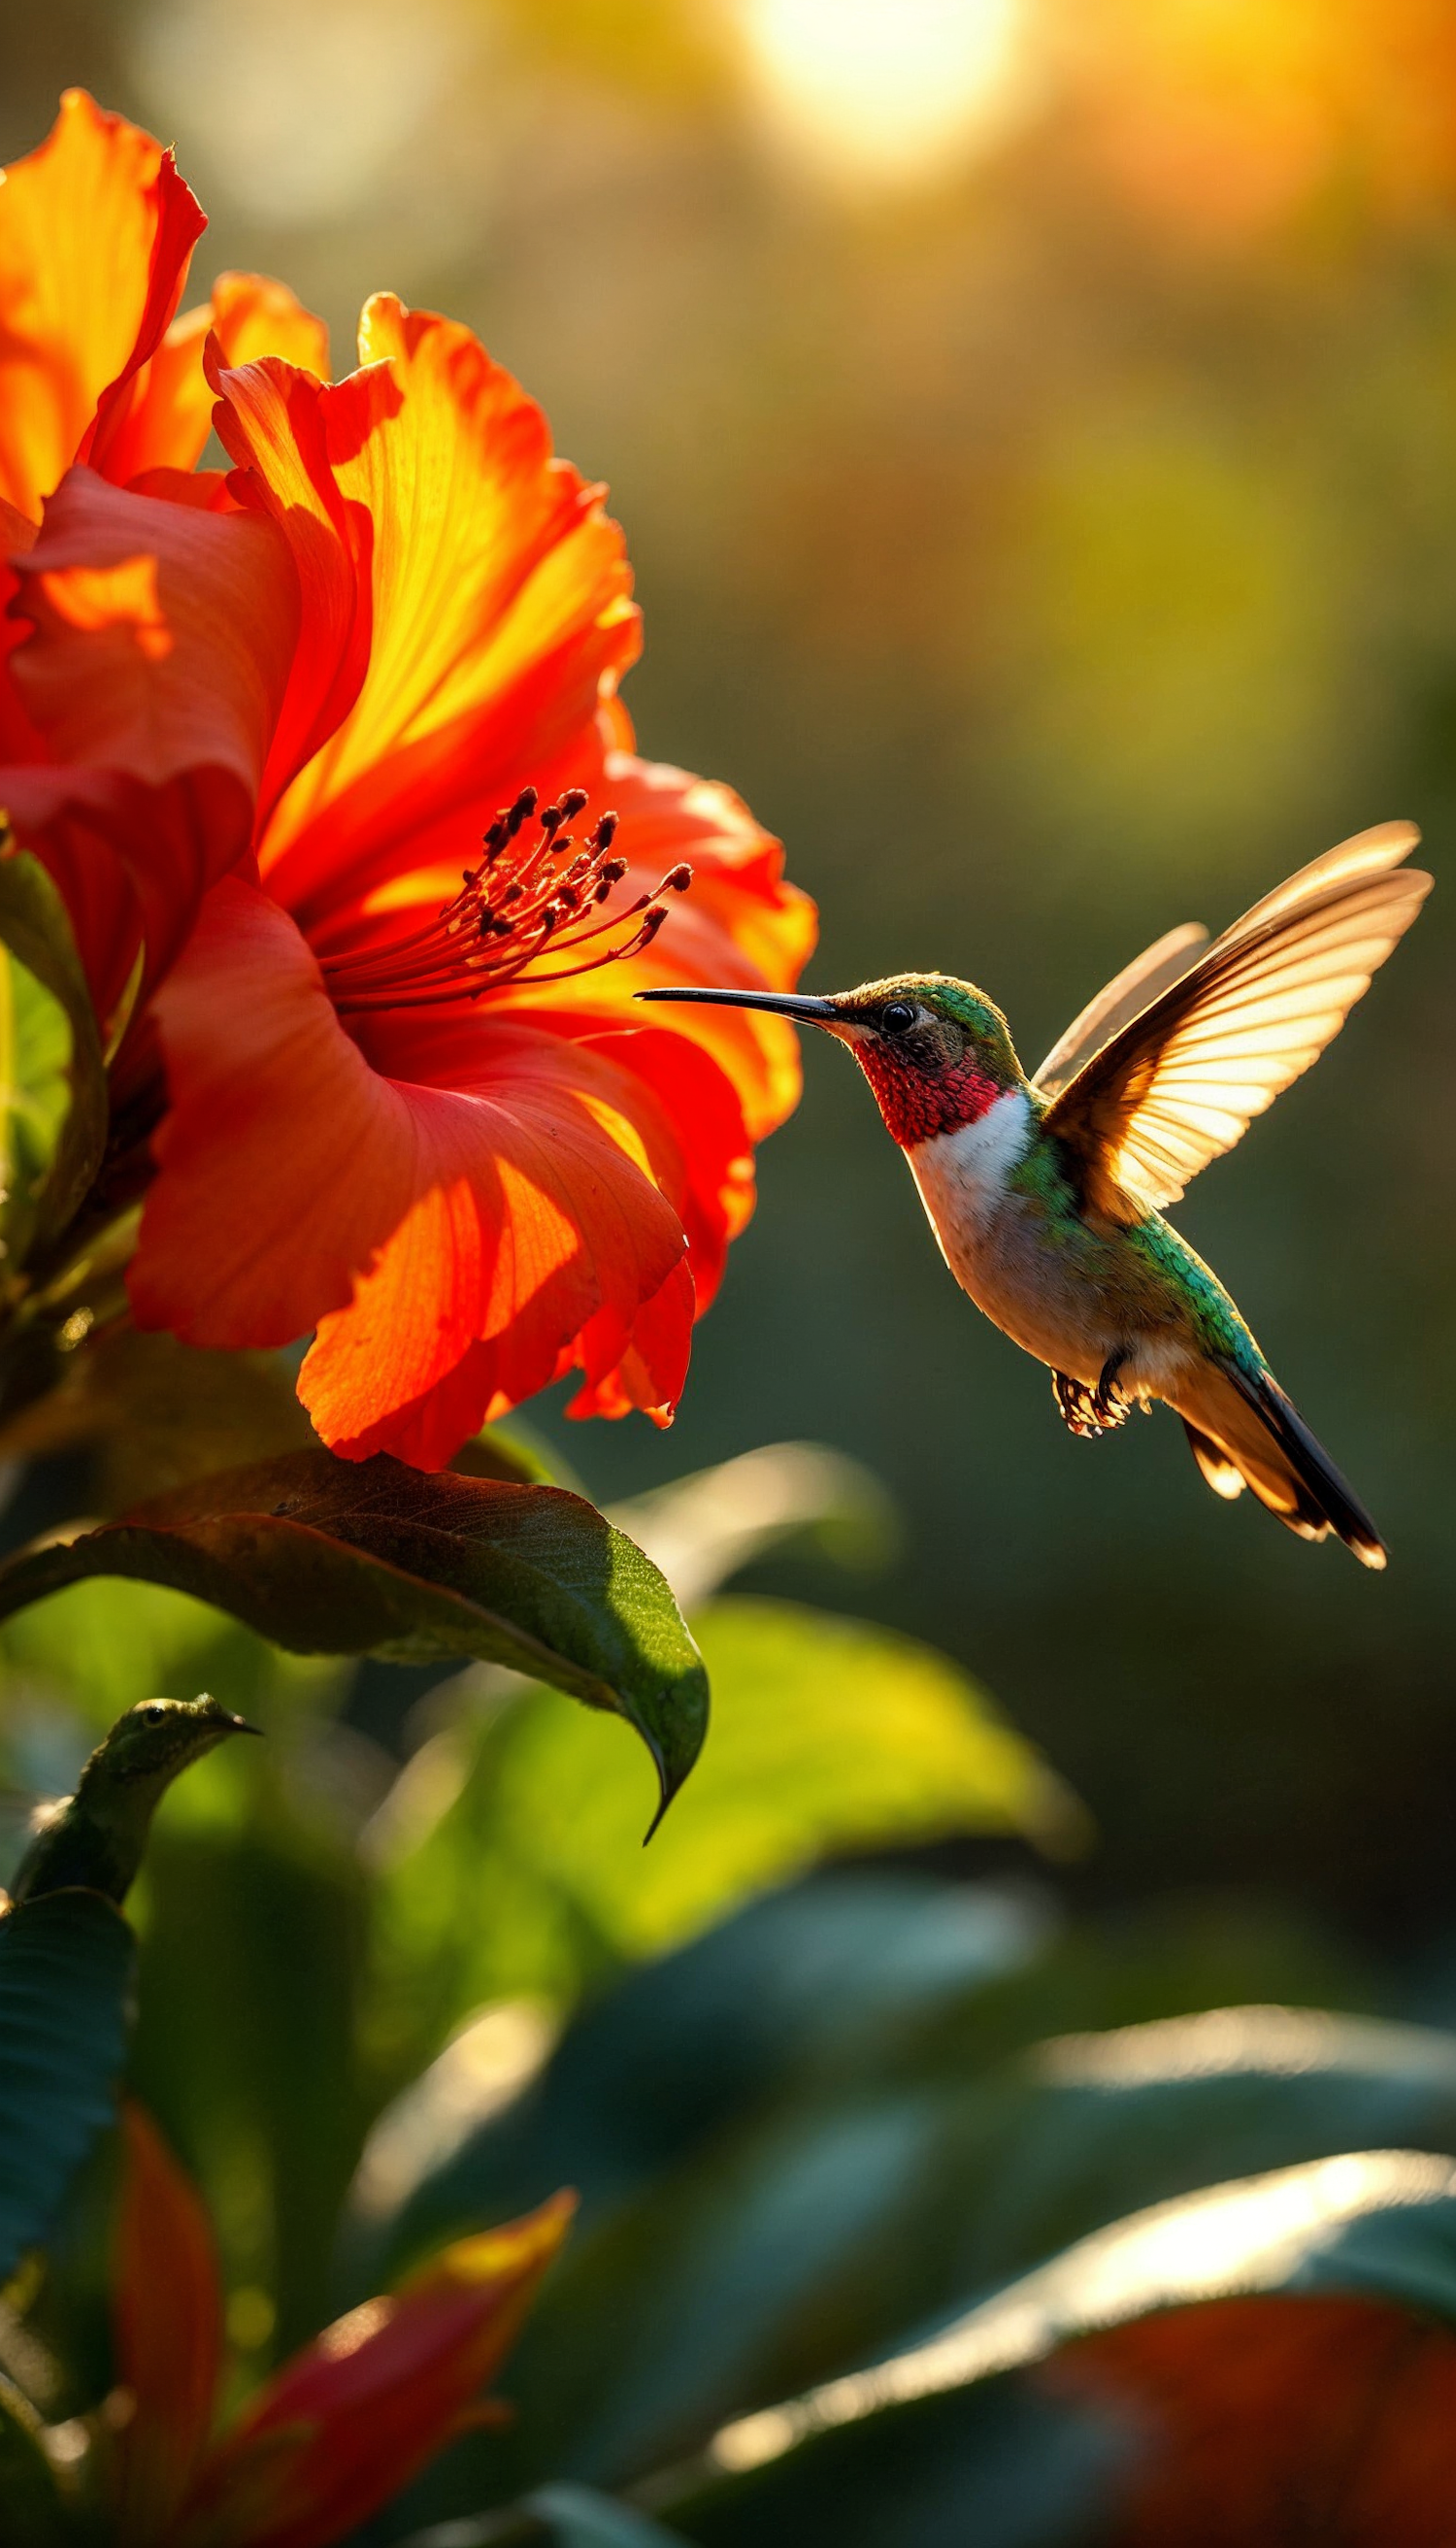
886, 89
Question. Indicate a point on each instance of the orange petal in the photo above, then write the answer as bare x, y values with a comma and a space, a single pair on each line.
451, 1210
500, 599
167, 2330
171, 412
283, 427
703, 1106
96, 231
161, 640
351, 2419
551, 1222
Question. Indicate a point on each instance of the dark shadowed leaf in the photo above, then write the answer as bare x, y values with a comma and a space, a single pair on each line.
29, 2501
686, 2049
997, 2466
329, 1556
66, 1979
555, 2516
35, 928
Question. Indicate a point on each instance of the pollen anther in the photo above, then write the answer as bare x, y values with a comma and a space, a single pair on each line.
492, 932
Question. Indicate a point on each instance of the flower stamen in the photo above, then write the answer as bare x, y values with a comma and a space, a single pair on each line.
506, 916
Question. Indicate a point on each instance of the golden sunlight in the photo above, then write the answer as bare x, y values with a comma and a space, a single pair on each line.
887, 89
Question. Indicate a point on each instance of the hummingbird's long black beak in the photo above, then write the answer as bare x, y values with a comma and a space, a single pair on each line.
809, 1012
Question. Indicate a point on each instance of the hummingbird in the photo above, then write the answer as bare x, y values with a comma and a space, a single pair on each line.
96, 1837
1046, 1194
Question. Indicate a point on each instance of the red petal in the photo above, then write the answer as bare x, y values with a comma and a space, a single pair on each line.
96, 231
167, 2325
349, 2422
161, 640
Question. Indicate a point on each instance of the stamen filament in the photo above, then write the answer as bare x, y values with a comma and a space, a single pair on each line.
492, 933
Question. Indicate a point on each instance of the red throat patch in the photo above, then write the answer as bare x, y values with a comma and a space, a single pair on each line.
918, 1105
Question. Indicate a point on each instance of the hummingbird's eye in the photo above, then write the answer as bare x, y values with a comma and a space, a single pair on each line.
153, 1713
896, 1017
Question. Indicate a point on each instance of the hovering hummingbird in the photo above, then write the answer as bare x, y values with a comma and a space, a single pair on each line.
1046, 1194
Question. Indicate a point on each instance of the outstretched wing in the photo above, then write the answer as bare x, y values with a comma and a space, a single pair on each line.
1124, 997
1181, 1081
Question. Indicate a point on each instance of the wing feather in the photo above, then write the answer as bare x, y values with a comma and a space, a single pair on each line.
1178, 1083
1121, 998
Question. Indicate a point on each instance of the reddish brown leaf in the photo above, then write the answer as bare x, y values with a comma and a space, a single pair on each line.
1274, 2421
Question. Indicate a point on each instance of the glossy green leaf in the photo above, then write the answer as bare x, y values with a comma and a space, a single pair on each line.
832, 2119
35, 928
65, 1980
329, 1556
1380, 2223
510, 1856
887, 2189
995, 2466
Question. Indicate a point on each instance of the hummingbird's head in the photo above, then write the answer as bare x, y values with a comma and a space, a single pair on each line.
937, 1053
160, 1738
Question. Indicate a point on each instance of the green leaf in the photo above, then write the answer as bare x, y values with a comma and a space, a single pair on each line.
329, 1556
65, 1981
829, 2121
35, 928
510, 1854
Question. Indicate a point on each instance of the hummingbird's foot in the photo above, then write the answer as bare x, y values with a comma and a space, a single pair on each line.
1077, 1405
1109, 1407
1089, 1413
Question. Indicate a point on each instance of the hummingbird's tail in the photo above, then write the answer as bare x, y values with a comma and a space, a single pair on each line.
1244, 1431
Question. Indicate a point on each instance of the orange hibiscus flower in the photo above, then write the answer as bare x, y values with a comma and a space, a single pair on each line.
307, 749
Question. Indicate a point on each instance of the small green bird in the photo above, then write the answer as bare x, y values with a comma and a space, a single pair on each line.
97, 1837
1046, 1194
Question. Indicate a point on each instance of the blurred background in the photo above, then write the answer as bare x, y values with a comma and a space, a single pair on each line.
1035, 428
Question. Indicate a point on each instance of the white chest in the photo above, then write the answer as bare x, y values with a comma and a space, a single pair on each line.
963, 1175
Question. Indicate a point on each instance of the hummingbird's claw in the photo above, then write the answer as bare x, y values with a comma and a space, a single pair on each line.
1074, 1400
1109, 1405
1088, 1412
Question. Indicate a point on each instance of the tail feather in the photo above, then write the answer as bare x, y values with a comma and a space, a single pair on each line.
1223, 1475
1244, 1427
